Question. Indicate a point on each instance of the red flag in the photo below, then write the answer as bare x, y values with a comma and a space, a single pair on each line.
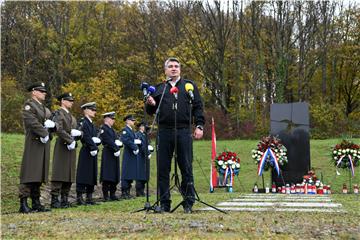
213, 172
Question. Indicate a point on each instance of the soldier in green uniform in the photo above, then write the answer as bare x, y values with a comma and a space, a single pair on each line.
35, 162
64, 163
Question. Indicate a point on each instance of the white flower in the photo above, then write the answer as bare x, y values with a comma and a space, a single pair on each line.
347, 150
339, 152
230, 162
220, 162
276, 150
233, 166
223, 167
237, 165
335, 158
344, 151
334, 152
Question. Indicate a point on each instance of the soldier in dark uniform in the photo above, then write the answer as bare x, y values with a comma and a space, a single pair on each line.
142, 175
35, 162
86, 174
64, 163
110, 161
129, 162
166, 126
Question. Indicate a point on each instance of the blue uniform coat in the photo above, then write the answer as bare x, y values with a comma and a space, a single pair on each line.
110, 165
129, 164
87, 164
142, 160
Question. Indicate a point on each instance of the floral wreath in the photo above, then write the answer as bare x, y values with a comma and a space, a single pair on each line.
227, 161
270, 152
346, 155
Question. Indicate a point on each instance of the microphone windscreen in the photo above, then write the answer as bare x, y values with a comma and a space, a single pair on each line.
189, 87
151, 89
174, 90
144, 85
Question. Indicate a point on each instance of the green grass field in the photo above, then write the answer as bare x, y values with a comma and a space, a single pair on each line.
116, 220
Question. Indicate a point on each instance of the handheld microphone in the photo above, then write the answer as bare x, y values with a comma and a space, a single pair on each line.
150, 90
190, 89
174, 91
144, 87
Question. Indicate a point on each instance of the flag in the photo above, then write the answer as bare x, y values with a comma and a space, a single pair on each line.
213, 172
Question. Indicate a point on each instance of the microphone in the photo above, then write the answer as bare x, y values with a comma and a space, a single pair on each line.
190, 89
174, 91
144, 87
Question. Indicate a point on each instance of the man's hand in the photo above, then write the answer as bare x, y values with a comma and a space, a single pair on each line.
198, 133
150, 100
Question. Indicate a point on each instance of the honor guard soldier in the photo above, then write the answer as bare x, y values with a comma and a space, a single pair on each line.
129, 162
86, 175
35, 161
142, 175
110, 161
186, 95
64, 163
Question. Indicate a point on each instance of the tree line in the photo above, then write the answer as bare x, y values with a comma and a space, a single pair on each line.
243, 55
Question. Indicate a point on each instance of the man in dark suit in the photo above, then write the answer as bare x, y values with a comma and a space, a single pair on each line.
35, 162
183, 96
110, 162
64, 163
86, 175
131, 150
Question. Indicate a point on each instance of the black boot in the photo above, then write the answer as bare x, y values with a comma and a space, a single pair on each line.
105, 190
64, 201
79, 198
36, 205
55, 203
140, 193
113, 197
24, 208
89, 199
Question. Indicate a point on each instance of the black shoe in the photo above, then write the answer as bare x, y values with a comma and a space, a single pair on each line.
80, 199
55, 203
113, 197
188, 210
37, 207
165, 208
140, 194
90, 200
106, 196
24, 208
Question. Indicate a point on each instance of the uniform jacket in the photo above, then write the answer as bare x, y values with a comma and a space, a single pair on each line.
110, 165
166, 116
129, 163
64, 163
35, 162
87, 165
142, 158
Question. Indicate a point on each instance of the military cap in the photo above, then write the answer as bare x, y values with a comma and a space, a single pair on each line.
142, 123
109, 114
37, 86
66, 96
89, 105
129, 117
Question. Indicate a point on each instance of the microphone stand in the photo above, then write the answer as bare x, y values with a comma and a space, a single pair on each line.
196, 195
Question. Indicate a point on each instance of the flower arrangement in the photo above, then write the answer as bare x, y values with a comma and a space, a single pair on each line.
277, 149
346, 155
227, 160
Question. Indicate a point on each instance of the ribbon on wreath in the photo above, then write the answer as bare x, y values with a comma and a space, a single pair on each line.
351, 164
273, 159
228, 171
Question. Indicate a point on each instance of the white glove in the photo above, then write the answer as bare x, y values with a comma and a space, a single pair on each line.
75, 133
71, 146
118, 143
116, 154
137, 141
49, 124
150, 148
96, 140
44, 139
149, 156
93, 153
136, 152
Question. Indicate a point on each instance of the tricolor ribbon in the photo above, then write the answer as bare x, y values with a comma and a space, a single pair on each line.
351, 163
228, 171
273, 159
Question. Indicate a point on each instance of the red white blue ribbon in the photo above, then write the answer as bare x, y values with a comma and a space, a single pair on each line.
228, 171
273, 159
351, 163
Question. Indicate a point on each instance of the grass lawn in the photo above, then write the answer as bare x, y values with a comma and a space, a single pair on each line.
116, 220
